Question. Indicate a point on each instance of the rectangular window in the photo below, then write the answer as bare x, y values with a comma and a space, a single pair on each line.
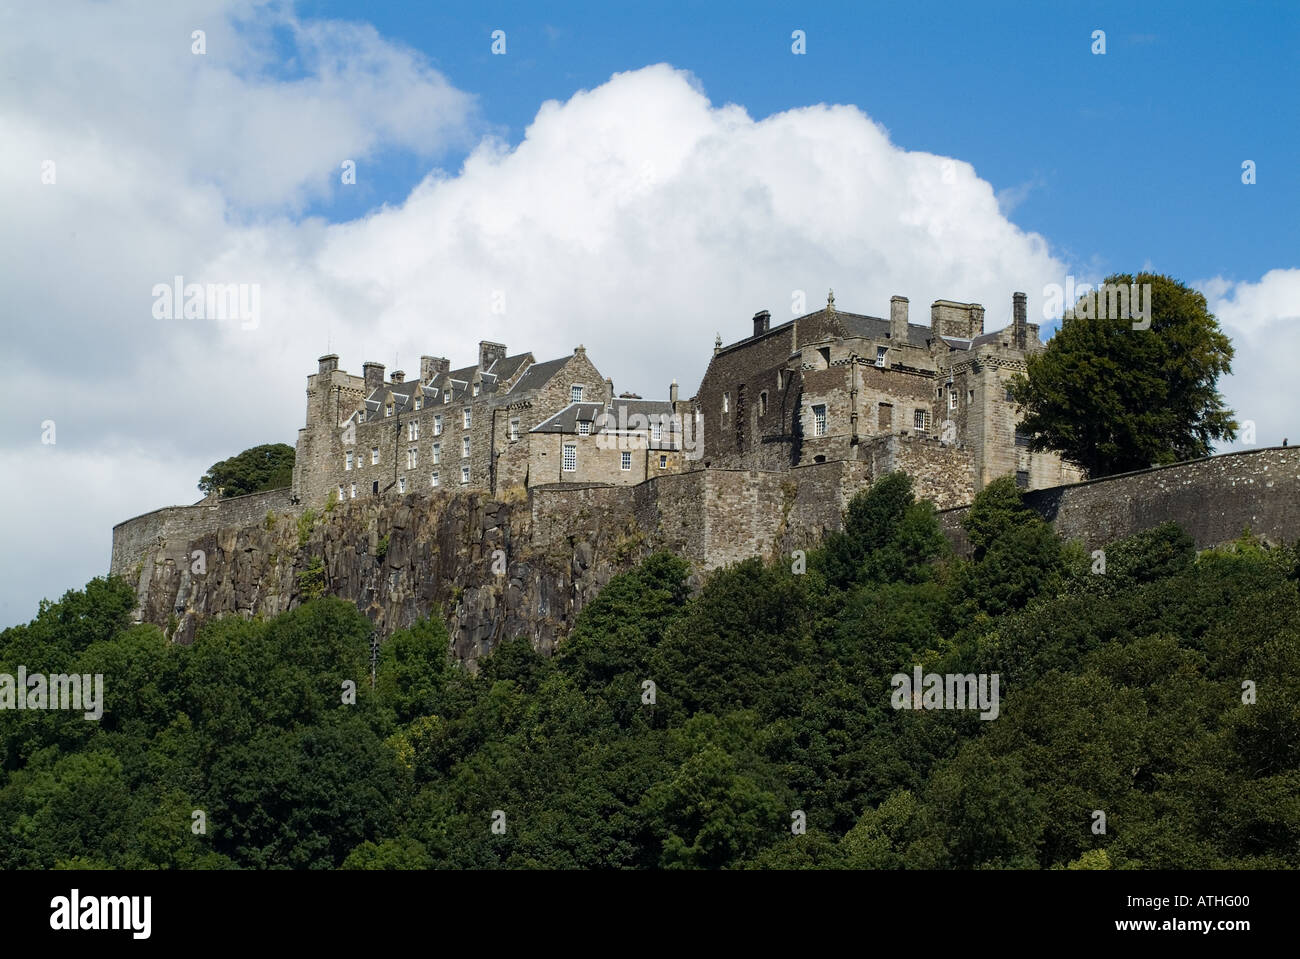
464, 447
1008, 395
374, 455
1022, 478
437, 453
348, 462
446, 395
626, 463
388, 409
418, 402
819, 420
476, 389
952, 399
354, 490
780, 379
1022, 439
726, 402
575, 394
881, 353
970, 397
412, 431
340, 491
921, 420
657, 429
464, 474
762, 404
465, 417
584, 427
570, 457
663, 462
433, 480
401, 484
514, 430
437, 425
411, 458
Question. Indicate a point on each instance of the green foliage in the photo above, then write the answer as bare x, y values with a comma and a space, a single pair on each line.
260, 468
382, 549
1119, 691
1114, 399
306, 523
311, 581
270, 519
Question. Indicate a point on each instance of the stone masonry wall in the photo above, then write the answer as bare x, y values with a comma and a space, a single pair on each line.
1214, 499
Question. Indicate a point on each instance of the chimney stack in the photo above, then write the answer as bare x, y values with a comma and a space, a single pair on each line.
898, 319
609, 385
398, 376
329, 362
762, 320
672, 392
489, 353
374, 376
1019, 320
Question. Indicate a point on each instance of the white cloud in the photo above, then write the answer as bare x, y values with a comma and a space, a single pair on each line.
1263, 321
637, 218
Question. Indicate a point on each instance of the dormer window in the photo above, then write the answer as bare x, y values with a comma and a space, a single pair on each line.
584, 427
446, 396
476, 389
388, 409
418, 402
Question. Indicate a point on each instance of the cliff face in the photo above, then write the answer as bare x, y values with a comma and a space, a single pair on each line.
397, 559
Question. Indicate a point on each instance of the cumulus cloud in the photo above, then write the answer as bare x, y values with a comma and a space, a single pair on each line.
637, 218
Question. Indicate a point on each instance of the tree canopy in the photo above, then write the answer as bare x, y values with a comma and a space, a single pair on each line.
1164, 691
260, 468
1113, 398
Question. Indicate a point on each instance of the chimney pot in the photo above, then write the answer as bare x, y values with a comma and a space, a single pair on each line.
762, 321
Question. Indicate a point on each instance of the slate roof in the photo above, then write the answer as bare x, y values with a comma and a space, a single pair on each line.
876, 328
537, 375
614, 417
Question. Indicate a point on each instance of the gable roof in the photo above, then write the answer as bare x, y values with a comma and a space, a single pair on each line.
539, 374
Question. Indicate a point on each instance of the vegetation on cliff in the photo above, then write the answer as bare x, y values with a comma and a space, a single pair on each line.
1121, 693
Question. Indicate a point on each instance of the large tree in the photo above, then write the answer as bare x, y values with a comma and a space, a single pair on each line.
1113, 398
260, 468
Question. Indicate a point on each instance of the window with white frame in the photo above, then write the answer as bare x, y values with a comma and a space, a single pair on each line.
354, 490
401, 484
514, 430
626, 462
388, 409
881, 353
437, 453
570, 457
575, 393
476, 389
726, 402
340, 491
412, 458
446, 395
663, 462
437, 425
374, 455
464, 447
465, 418
418, 401
819, 420
952, 399
433, 480
584, 427
347, 464
412, 431
921, 419
464, 474
657, 430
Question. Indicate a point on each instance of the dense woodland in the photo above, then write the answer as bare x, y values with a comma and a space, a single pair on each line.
1121, 691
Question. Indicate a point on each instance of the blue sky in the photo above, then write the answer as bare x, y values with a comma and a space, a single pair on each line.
1124, 158
634, 178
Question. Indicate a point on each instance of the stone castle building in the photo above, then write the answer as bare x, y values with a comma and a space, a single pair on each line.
826, 387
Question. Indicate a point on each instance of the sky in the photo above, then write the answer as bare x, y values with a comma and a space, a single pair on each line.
633, 178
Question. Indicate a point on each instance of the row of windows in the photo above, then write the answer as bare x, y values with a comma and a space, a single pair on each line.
348, 460
920, 419
570, 459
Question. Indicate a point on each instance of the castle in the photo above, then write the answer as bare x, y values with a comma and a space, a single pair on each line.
826, 387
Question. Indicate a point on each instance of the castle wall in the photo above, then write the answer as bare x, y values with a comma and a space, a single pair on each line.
1214, 499
735, 438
